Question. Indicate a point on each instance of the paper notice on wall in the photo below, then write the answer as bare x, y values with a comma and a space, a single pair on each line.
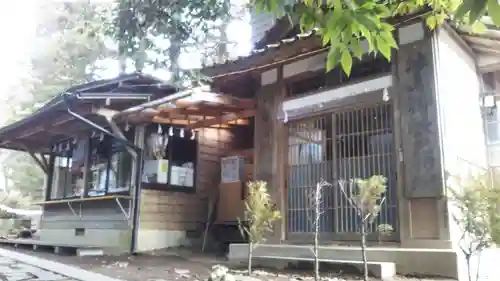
164, 166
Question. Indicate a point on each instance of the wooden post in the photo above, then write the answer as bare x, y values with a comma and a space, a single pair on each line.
279, 160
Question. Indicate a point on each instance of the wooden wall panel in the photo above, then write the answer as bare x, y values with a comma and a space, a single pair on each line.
169, 210
99, 214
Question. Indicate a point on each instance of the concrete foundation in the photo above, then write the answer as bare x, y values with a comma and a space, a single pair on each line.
434, 262
112, 239
152, 239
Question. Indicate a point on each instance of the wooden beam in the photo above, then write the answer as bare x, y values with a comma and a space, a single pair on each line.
188, 111
109, 114
39, 162
227, 100
222, 119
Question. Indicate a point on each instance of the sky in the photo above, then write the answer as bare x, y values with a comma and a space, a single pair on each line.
15, 54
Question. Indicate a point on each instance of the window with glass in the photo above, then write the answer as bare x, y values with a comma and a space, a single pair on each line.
67, 174
170, 158
91, 166
493, 137
492, 127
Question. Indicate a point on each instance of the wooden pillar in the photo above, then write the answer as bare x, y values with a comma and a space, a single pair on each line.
269, 147
421, 198
280, 147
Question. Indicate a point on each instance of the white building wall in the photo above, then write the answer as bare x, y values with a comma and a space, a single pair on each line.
462, 132
461, 120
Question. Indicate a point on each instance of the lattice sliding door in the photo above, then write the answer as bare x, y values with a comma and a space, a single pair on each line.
339, 147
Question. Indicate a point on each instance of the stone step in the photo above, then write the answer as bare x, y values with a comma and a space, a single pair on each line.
384, 270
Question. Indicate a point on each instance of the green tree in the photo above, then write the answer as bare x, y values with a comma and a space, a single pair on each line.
260, 214
157, 32
476, 201
366, 196
70, 39
344, 23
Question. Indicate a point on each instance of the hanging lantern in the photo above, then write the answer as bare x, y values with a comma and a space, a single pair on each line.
182, 133
171, 131
193, 134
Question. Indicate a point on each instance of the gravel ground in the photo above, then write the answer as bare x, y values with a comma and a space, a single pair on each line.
183, 265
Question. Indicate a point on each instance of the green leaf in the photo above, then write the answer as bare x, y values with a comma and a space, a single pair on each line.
389, 39
369, 22
494, 11
346, 62
333, 58
463, 9
383, 47
431, 22
477, 10
357, 50
478, 27
326, 37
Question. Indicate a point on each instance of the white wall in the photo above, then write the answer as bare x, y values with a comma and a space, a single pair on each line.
458, 90
460, 119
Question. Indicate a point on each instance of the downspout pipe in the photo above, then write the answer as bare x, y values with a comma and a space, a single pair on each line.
68, 99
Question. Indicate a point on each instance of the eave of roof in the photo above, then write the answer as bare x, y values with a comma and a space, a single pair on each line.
271, 53
140, 88
487, 42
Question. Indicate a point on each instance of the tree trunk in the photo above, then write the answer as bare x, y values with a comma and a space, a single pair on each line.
363, 251
467, 260
317, 215
174, 51
141, 56
222, 52
250, 252
122, 54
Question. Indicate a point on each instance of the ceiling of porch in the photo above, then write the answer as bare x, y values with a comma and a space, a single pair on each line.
193, 108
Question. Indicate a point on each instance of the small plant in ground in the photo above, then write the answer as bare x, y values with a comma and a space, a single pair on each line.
260, 214
475, 209
315, 201
365, 196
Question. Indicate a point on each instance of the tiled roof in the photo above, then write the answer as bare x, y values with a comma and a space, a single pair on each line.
241, 62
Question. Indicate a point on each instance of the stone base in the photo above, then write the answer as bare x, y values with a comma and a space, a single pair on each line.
153, 239
117, 241
433, 262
